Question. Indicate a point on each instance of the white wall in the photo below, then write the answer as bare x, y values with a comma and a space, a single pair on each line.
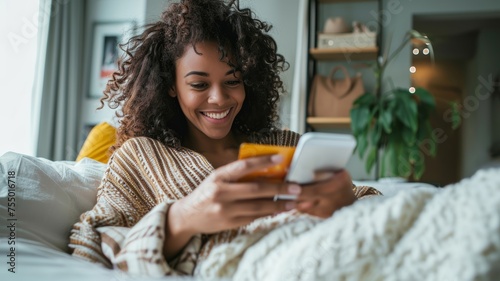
282, 14
154, 8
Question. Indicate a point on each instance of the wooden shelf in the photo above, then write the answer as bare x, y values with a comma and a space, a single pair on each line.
346, 54
320, 123
344, 1
342, 55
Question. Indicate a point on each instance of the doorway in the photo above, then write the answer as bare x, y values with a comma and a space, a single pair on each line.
460, 43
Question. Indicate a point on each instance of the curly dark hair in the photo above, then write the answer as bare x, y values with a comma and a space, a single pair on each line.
147, 72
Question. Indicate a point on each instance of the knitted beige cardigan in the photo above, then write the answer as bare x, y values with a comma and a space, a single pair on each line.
125, 229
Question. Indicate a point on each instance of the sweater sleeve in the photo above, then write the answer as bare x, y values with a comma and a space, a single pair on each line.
126, 228
363, 192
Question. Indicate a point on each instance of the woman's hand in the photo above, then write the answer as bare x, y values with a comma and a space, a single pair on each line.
220, 202
332, 191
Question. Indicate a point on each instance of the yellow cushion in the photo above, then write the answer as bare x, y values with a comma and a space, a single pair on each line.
98, 142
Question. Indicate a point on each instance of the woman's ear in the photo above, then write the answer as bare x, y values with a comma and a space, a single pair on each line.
172, 92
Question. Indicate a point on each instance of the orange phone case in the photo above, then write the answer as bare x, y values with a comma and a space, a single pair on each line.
277, 172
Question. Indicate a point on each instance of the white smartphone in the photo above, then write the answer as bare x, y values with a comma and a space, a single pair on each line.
318, 151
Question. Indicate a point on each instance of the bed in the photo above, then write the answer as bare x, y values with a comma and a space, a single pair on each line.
414, 232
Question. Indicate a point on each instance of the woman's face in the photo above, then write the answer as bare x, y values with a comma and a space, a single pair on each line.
209, 91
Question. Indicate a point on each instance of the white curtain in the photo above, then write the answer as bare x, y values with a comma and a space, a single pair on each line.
36, 98
61, 83
298, 101
21, 25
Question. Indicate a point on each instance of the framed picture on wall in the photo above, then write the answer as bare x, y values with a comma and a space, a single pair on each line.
106, 52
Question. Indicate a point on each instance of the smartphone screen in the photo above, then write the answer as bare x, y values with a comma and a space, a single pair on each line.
319, 151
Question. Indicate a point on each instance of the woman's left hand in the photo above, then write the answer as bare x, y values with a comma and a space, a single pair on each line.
332, 191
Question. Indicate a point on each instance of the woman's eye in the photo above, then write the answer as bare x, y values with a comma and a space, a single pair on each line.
233, 82
198, 86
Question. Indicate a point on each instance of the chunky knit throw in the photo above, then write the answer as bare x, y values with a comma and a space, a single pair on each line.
452, 233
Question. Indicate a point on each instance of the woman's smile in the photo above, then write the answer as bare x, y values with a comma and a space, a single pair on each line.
216, 115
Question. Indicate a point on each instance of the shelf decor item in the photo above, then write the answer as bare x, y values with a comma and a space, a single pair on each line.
335, 25
337, 35
351, 40
332, 97
396, 123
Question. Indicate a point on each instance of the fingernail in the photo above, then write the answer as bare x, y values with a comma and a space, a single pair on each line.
277, 158
305, 205
323, 176
290, 205
294, 189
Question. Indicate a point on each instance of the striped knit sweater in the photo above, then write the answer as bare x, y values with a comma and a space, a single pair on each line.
125, 229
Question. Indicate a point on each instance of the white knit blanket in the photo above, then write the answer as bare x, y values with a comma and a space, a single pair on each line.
451, 233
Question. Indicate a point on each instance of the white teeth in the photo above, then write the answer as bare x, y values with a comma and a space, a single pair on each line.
216, 115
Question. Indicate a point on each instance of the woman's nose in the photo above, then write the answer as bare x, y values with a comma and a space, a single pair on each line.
217, 95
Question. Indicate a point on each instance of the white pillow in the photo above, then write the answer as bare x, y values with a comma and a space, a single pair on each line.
48, 196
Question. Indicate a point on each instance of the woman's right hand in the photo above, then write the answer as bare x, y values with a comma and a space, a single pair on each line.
220, 202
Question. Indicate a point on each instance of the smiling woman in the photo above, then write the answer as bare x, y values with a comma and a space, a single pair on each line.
20, 26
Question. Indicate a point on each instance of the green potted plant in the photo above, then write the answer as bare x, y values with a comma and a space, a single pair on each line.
395, 123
